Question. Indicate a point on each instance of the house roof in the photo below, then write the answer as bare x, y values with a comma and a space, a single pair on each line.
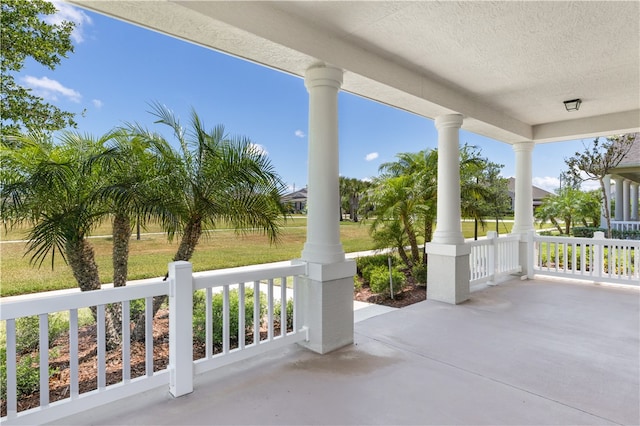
299, 195
538, 193
629, 167
506, 66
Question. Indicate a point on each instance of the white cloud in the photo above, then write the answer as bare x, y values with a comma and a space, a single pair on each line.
371, 156
590, 185
66, 12
547, 182
50, 89
552, 183
97, 103
300, 133
367, 179
259, 149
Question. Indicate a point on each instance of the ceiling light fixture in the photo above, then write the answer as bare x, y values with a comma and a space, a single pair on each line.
573, 104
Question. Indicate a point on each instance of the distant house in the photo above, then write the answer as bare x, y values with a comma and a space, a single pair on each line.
538, 194
297, 200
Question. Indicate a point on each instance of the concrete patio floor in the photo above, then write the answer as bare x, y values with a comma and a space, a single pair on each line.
525, 352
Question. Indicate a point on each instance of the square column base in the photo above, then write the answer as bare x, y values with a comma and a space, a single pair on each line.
448, 272
326, 302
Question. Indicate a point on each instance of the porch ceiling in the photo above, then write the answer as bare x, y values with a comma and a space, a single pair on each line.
507, 66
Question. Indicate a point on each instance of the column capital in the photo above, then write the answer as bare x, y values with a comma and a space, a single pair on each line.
523, 146
323, 75
449, 121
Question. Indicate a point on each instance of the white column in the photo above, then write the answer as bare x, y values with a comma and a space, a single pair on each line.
326, 291
619, 200
323, 227
634, 201
448, 226
523, 205
625, 200
607, 205
523, 209
448, 256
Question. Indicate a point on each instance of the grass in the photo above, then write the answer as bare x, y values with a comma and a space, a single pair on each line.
149, 257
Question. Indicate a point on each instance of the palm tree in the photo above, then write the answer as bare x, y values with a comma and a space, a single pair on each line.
214, 178
53, 187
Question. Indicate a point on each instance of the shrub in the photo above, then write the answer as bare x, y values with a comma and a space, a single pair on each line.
379, 281
419, 273
357, 283
199, 314
28, 331
27, 374
276, 314
365, 265
585, 231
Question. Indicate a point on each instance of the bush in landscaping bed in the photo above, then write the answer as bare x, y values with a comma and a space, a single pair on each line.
379, 280
199, 313
419, 273
586, 231
364, 265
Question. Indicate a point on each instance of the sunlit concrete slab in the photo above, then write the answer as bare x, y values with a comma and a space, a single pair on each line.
524, 352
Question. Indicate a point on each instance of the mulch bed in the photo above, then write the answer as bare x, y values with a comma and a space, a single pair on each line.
59, 383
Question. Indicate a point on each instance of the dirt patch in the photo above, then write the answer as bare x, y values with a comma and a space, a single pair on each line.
412, 293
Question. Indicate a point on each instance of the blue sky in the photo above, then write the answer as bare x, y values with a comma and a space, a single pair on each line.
118, 68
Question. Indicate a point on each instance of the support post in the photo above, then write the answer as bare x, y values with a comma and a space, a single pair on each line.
326, 291
523, 208
180, 328
449, 272
626, 205
634, 201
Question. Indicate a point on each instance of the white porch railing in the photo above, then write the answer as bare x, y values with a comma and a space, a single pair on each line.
493, 257
597, 259
180, 288
620, 225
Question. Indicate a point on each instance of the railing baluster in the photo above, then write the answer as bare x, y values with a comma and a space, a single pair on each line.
126, 341
295, 304
44, 359
102, 343
241, 319
256, 312
208, 327
283, 304
270, 309
73, 353
12, 379
148, 336
225, 319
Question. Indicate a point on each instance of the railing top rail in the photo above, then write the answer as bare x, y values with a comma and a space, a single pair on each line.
43, 304
245, 274
576, 240
489, 241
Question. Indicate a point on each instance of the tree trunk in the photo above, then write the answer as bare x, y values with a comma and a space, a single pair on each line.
607, 212
121, 237
413, 241
188, 243
81, 258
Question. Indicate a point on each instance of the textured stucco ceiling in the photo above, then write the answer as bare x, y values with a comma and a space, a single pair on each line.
507, 66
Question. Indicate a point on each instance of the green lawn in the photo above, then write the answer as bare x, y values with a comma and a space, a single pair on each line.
220, 248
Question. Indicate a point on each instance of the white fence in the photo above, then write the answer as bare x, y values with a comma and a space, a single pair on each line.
493, 257
180, 287
619, 225
597, 259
